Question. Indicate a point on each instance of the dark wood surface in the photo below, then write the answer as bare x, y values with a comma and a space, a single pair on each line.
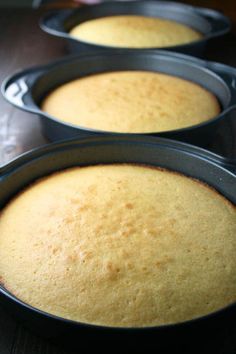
23, 44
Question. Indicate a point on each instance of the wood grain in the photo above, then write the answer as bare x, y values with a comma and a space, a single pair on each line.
23, 44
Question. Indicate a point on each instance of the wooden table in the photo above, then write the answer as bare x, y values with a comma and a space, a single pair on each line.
23, 44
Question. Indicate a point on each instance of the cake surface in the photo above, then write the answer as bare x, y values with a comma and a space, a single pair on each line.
120, 245
134, 31
131, 102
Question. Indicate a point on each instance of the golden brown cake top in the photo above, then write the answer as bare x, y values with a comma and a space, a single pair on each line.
120, 245
131, 102
134, 31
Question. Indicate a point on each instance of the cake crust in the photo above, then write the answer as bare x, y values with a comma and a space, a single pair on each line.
133, 31
131, 102
122, 245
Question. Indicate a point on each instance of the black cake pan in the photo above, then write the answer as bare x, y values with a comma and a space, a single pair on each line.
27, 88
212, 169
209, 22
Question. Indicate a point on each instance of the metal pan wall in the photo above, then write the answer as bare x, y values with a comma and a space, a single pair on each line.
27, 88
209, 22
191, 161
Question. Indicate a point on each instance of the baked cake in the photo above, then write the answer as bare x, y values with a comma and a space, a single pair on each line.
131, 102
134, 31
120, 245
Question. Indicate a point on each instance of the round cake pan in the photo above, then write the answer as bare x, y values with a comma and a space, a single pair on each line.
217, 172
209, 22
27, 89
